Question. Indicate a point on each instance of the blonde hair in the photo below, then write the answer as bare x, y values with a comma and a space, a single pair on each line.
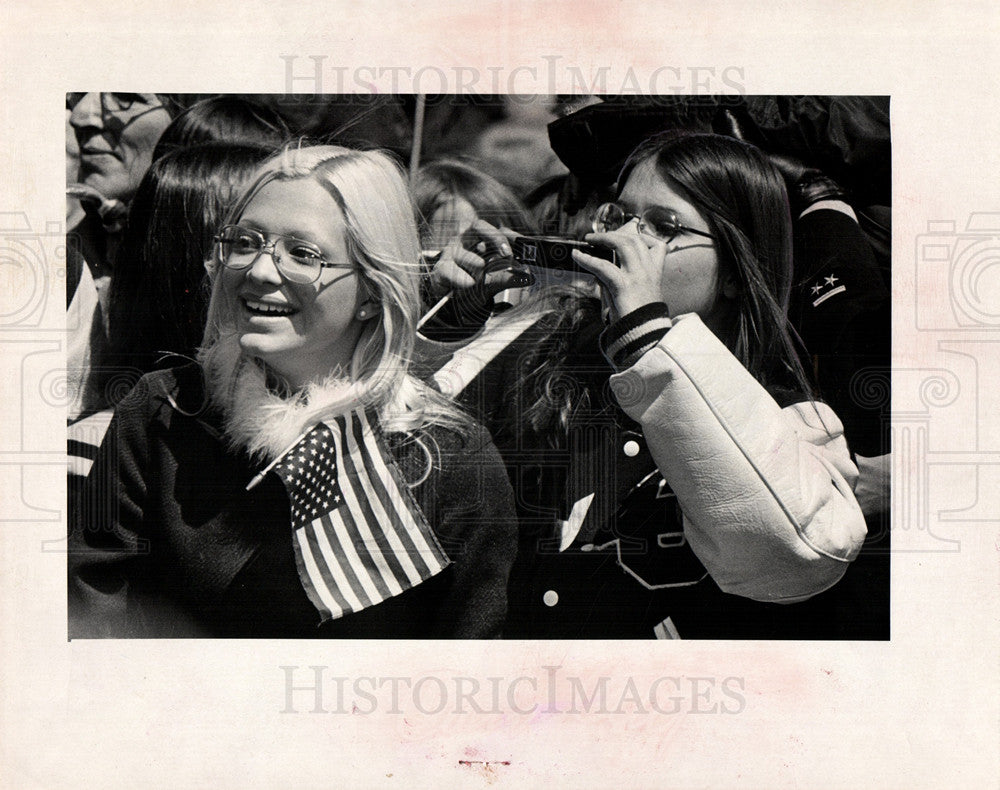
381, 238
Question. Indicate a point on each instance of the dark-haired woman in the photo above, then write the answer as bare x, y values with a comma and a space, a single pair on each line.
674, 478
158, 295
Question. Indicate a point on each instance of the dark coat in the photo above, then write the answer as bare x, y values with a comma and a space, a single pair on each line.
166, 541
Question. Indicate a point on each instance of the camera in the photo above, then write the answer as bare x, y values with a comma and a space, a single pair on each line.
552, 252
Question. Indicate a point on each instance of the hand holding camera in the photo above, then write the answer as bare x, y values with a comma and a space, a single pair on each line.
485, 260
479, 259
634, 277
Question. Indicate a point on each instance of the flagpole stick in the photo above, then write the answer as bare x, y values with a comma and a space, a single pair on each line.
263, 472
418, 137
430, 313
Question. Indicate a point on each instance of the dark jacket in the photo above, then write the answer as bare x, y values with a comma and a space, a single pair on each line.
167, 543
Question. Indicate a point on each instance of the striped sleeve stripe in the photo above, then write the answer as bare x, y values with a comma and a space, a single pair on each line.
81, 449
625, 350
634, 320
79, 467
628, 354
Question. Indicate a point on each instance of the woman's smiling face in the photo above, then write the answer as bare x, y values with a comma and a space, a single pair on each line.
302, 332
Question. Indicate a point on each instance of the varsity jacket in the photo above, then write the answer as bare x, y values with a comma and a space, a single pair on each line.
683, 500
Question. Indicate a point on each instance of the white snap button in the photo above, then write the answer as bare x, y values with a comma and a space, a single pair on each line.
631, 448
551, 598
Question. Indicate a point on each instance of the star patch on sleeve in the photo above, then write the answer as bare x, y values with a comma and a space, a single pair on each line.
826, 288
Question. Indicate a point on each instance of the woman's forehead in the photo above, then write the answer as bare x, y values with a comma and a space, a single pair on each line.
646, 187
298, 207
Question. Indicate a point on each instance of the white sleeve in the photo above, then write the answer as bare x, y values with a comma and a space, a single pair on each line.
766, 492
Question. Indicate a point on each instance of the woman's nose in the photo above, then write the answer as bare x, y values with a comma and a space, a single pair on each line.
265, 268
87, 112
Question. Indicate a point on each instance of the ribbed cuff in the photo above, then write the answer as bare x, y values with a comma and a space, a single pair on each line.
632, 335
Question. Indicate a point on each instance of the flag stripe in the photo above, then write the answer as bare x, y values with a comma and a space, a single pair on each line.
393, 524
327, 574
402, 523
430, 551
368, 525
337, 568
358, 532
378, 514
335, 576
357, 549
388, 487
371, 568
319, 595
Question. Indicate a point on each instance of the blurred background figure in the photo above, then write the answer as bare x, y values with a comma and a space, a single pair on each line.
451, 194
516, 150
74, 211
158, 294
115, 134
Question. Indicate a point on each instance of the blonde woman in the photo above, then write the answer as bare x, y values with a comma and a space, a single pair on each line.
299, 480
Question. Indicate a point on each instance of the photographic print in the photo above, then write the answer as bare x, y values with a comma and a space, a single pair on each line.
242, 493
580, 395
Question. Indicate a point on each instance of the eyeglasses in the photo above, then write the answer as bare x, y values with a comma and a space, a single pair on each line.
660, 223
296, 260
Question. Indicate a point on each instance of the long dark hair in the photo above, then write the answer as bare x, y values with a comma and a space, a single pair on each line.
159, 291
742, 196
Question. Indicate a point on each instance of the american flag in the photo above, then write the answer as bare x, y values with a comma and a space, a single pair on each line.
360, 536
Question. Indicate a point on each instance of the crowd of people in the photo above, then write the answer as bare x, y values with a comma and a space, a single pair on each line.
320, 390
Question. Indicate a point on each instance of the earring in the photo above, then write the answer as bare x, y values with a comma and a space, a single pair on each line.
362, 314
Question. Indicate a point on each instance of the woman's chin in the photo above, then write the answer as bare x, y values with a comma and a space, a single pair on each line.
261, 346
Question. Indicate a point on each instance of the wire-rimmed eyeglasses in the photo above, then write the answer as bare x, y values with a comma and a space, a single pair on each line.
296, 260
660, 223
